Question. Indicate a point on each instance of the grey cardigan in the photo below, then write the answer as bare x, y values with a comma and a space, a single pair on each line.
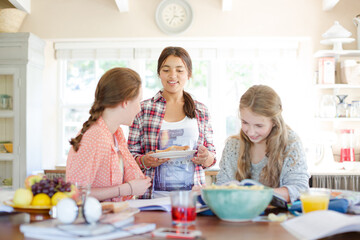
294, 174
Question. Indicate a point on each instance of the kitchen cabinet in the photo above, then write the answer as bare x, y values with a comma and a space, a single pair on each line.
21, 69
326, 119
351, 90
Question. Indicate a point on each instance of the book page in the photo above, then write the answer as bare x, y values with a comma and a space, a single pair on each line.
163, 204
320, 224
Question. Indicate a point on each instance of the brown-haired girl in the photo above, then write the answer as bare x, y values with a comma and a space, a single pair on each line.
172, 117
99, 155
266, 149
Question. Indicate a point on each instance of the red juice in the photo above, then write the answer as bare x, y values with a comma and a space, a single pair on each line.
183, 214
347, 155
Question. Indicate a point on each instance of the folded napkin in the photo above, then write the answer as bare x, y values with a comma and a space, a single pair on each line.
338, 205
4, 208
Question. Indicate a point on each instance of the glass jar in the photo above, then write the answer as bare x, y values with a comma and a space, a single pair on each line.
347, 152
328, 106
355, 109
5, 101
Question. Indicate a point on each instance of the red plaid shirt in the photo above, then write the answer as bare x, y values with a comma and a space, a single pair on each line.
144, 133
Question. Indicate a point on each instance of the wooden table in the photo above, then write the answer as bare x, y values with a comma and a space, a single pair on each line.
210, 226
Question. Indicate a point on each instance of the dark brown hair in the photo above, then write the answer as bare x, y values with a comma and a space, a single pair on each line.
189, 104
115, 86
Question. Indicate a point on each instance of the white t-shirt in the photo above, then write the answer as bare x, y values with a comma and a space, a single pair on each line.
177, 173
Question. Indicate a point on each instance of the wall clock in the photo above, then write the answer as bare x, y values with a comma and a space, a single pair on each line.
173, 16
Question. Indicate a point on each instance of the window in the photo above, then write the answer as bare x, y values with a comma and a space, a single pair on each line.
220, 76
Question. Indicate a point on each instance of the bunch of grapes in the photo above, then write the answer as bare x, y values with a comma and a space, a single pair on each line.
51, 186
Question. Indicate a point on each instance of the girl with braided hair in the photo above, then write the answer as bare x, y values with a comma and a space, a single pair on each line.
266, 150
99, 155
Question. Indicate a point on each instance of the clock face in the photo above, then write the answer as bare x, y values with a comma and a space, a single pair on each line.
173, 16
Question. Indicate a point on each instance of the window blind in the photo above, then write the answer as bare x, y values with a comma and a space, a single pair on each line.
233, 48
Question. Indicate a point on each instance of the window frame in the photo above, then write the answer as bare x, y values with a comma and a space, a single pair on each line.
212, 50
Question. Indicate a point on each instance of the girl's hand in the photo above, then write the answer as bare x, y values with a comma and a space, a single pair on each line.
202, 156
150, 161
197, 188
139, 186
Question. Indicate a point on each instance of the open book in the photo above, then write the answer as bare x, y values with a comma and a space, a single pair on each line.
277, 200
162, 204
321, 224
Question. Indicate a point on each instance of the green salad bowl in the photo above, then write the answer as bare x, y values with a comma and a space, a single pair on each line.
237, 205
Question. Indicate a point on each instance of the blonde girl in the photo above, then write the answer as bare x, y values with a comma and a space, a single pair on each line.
266, 150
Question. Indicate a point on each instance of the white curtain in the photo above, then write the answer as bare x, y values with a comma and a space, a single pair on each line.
344, 182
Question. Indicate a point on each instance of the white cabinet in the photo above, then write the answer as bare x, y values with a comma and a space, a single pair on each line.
328, 126
352, 91
21, 70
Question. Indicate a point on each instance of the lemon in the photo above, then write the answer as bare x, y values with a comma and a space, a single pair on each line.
57, 197
22, 197
41, 199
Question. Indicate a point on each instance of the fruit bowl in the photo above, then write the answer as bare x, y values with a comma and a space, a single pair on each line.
237, 205
28, 208
40, 194
37, 213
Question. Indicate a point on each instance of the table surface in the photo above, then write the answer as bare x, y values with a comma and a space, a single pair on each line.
210, 226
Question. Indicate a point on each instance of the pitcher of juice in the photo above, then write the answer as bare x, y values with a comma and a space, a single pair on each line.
347, 153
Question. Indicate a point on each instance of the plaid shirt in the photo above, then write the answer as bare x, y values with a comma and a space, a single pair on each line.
144, 134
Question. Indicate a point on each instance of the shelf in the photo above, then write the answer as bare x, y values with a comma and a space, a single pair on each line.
332, 53
6, 113
4, 188
331, 86
6, 156
337, 119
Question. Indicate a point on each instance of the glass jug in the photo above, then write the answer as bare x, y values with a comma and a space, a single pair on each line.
342, 107
347, 153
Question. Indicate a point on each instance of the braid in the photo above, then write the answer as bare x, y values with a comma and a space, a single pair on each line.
115, 86
95, 112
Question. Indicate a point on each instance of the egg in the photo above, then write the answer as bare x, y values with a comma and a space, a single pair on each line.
91, 210
67, 211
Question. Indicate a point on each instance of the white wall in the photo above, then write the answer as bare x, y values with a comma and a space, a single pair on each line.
54, 19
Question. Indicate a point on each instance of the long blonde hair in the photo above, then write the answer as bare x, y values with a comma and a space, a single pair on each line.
264, 101
115, 86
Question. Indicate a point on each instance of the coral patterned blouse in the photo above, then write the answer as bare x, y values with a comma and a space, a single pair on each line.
97, 161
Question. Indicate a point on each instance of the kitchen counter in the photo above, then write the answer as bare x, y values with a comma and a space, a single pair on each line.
336, 168
335, 176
